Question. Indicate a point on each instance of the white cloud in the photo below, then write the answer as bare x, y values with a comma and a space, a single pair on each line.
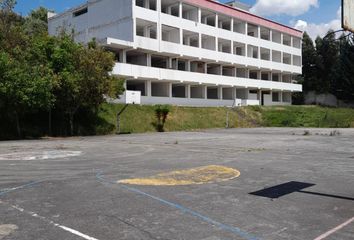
286, 7
321, 29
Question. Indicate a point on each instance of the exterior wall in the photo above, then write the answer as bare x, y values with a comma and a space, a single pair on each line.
115, 23
105, 18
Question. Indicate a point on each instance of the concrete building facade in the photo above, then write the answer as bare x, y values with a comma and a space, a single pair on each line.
191, 52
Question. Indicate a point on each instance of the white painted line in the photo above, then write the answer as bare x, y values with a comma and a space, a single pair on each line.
330, 232
70, 230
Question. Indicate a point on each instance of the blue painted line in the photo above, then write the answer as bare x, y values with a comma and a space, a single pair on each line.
228, 228
31, 184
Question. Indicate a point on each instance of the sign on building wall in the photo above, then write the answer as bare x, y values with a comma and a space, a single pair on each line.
348, 15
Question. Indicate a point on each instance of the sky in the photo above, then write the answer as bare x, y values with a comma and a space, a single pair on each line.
313, 16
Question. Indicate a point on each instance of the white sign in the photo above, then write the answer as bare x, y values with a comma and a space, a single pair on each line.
348, 15
132, 97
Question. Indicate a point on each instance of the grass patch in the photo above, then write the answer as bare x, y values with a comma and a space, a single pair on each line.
140, 119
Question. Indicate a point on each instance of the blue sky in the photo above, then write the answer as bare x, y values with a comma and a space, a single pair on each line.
314, 16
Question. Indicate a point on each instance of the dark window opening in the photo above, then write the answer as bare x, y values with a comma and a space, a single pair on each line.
80, 12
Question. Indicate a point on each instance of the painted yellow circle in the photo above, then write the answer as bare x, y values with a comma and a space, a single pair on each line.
200, 175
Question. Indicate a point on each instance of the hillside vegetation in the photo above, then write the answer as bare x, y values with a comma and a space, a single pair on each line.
138, 119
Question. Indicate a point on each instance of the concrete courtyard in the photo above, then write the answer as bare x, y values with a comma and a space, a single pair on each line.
291, 185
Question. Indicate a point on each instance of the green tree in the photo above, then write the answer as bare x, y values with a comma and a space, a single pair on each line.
84, 77
328, 55
309, 69
37, 23
23, 87
345, 71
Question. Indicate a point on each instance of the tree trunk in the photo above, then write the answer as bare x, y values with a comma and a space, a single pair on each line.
50, 122
71, 122
18, 128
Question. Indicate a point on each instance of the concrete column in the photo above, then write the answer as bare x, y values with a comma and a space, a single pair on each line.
188, 66
169, 10
246, 27
170, 90
180, 7
232, 25
220, 93
205, 92
158, 6
271, 55
216, 20
235, 71
148, 88
123, 55
199, 15
280, 77
281, 96
281, 38
259, 31
188, 91
205, 68
291, 41
271, 35
260, 96
169, 63
147, 3
200, 40
148, 59
146, 31
181, 36
247, 93
234, 93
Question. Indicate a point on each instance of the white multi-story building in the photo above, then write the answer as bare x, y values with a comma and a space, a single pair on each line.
192, 52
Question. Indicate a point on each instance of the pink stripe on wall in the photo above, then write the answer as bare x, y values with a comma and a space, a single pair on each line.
245, 16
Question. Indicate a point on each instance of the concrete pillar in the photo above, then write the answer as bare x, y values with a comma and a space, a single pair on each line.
123, 56
188, 67
259, 31
180, 7
169, 63
148, 88
235, 72
200, 40
291, 41
170, 90
220, 93
181, 36
199, 15
271, 35
234, 93
260, 96
216, 20
281, 96
188, 91
246, 27
147, 4
205, 92
232, 25
205, 68
281, 38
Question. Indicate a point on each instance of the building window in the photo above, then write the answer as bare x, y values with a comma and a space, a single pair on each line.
80, 12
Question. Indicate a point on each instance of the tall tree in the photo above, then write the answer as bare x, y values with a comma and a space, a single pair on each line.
84, 77
310, 59
328, 53
36, 23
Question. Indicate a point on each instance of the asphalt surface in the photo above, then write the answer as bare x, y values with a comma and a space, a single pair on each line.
291, 186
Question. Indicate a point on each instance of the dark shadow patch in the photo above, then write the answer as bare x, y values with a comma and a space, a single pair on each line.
292, 187
282, 189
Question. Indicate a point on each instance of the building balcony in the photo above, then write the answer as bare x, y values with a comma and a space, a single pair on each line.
144, 72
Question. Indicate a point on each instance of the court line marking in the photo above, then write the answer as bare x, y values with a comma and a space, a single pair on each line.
31, 184
50, 222
206, 219
35, 215
333, 230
